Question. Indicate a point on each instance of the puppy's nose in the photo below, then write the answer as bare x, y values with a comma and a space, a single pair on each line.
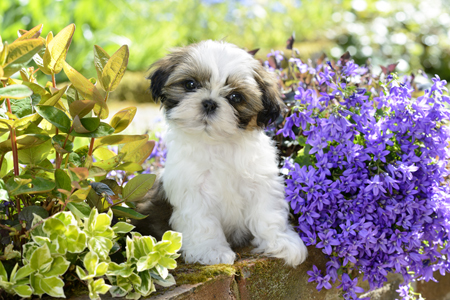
209, 105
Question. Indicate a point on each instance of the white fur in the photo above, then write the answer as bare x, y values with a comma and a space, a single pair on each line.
223, 181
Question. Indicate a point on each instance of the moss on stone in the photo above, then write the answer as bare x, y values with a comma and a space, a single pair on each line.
194, 273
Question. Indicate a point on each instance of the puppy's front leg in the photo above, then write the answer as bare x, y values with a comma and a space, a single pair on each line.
268, 222
203, 238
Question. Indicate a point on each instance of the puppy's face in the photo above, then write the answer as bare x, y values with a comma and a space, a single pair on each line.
214, 88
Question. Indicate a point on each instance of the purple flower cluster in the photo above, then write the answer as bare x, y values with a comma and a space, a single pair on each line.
368, 187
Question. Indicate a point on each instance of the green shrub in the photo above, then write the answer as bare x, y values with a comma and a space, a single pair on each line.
56, 204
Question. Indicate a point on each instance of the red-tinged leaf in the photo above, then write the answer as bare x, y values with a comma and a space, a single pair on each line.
87, 90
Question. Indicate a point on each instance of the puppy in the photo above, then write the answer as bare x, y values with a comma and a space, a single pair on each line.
221, 185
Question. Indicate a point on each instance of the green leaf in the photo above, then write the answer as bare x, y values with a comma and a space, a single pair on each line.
37, 185
23, 272
35, 280
66, 217
303, 157
54, 228
52, 286
98, 287
81, 273
62, 180
33, 156
28, 214
23, 290
168, 262
126, 212
10, 253
103, 130
58, 142
55, 116
147, 286
79, 209
22, 107
100, 60
3, 274
16, 91
87, 90
41, 258
169, 281
147, 262
100, 246
115, 69
175, 241
163, 272
76, 239
123, 270
118, 139
137, 187
118, 292
56, 51
122, 227
90, 262
59, 266
85, 125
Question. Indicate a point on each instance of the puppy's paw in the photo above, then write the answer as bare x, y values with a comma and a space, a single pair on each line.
211, 256
287, 246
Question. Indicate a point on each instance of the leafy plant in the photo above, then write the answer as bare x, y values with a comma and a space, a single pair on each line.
56, 204
368, 184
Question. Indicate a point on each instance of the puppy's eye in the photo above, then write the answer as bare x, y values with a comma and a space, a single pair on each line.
235, 97
190, 85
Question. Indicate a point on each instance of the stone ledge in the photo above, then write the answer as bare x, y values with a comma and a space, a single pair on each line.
262, 278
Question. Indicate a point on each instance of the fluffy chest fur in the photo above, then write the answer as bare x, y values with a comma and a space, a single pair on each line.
227, 175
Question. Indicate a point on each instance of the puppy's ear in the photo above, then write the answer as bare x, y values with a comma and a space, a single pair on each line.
159, 73
271, 97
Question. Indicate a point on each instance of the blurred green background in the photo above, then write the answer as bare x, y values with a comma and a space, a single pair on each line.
414, 33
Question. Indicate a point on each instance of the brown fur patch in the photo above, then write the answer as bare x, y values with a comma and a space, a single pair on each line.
158, 210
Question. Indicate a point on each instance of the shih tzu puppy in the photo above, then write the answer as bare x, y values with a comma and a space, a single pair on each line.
221, 185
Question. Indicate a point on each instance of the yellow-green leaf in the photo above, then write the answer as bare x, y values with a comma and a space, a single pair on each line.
100, 60
87, 90
136, 152
33, 33
137, 187
109, 164
56, 51
80, 195
115, 69
103, 153
118, 139
16, 91
20, 53
122, 119
4, 53
24, 142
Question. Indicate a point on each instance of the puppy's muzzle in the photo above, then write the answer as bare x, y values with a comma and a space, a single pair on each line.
209, 106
